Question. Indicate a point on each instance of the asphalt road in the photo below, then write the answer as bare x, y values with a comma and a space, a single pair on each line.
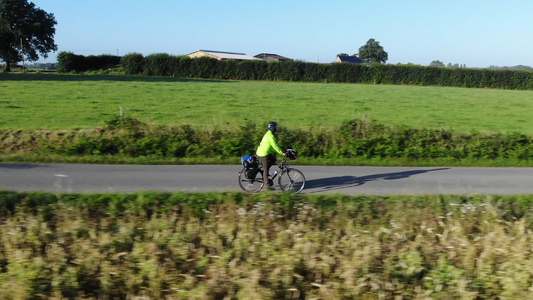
320, 179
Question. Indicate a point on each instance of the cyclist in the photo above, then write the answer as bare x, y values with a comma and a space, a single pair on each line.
265, 152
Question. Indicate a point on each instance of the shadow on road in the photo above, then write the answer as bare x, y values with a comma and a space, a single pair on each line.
347, 181
20, 166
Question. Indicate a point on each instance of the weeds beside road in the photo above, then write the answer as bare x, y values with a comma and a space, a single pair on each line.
263, 246
129, 140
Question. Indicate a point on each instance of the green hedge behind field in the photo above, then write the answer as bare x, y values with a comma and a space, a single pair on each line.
70, 62
125, 136
183, 66
264, 246
162, 64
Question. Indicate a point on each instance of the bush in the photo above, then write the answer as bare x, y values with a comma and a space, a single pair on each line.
203, 67
158, 65
70, 62
132, 64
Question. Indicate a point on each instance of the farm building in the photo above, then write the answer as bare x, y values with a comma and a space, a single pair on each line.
221, 55
348, 59
271, 57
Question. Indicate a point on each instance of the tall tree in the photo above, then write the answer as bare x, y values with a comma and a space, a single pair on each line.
25, 31
372, 52
436, 63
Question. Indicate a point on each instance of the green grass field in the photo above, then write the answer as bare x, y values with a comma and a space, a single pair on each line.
259, 246
52, 101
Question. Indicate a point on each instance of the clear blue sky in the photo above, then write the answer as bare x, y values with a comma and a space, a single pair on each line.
478, 33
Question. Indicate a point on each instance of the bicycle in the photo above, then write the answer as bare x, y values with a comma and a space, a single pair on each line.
290, 179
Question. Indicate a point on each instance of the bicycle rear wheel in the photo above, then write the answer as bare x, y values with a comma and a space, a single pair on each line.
292, 181
253, 185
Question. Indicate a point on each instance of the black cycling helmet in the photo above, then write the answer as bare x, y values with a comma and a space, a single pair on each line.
272, 126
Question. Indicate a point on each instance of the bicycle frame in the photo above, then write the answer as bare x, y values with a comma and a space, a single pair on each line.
290, 179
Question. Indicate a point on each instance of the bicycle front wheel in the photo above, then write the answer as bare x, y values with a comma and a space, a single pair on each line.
292, 181
252, 185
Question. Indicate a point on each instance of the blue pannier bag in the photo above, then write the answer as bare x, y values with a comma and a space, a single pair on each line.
251, 165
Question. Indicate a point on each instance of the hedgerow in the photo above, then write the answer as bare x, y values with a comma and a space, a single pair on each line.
162, 64
131, 137
68, 62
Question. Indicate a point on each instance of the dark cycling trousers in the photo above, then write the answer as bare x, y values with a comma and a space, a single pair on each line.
267, 162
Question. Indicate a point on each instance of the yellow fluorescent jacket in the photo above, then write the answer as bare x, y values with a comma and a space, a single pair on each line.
268, 143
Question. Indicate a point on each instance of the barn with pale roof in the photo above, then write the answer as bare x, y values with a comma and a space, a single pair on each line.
221, 55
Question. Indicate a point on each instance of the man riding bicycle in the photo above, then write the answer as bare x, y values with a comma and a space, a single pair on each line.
265, 152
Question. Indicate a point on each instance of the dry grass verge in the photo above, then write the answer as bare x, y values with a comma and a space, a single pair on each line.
265, 246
